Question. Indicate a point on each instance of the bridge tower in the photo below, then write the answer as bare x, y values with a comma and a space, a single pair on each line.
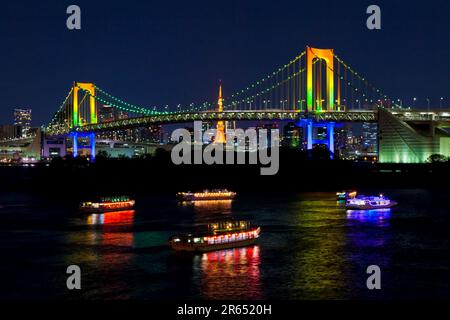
220, 130
327, 55
90, 89
314, 100
308, 126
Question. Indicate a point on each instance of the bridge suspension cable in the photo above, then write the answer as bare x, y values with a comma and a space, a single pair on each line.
298, 85
370, 91
281, 89
149, 111
58, 118
357, 90
268, 77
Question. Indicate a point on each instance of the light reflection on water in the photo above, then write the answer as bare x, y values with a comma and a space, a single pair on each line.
209, 206
379, 217
230, 274
317, 264
310, 248
105, 249
317, 260
114, 217
224, 274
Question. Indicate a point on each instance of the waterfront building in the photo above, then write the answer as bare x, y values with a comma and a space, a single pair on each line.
9, 131
24, 149
402, 142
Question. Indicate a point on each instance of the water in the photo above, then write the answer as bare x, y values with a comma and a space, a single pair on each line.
310, 248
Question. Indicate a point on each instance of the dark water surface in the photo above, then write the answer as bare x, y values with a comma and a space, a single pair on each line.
310, 248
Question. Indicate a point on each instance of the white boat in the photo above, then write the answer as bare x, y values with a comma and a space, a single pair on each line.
369, 202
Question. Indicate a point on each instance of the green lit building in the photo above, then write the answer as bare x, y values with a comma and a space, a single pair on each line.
409, 142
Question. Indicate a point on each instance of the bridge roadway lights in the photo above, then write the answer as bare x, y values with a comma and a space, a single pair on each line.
309, 124
76, 147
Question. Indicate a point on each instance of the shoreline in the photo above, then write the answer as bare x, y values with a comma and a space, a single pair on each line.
161, 176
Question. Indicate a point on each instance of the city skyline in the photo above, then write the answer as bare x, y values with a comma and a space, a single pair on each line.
176, 60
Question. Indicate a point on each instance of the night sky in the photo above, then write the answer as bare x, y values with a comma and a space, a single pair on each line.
168, 52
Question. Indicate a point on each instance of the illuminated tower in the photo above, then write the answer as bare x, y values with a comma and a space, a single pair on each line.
90, 89
220, 134
327, 55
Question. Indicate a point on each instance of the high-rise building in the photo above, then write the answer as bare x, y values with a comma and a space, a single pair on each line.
152, 134
369, 138
22, 119
268, 127
291, 135
348, 143
122, 115
340, 141
106, 113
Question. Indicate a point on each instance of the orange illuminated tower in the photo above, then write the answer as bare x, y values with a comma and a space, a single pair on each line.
220, 134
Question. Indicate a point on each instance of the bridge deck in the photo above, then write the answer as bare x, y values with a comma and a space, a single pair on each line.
245, 115
442, 116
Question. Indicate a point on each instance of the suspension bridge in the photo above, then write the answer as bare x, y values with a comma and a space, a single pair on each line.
316, 88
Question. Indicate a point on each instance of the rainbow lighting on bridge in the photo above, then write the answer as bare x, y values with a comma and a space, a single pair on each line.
315, 54
301, 91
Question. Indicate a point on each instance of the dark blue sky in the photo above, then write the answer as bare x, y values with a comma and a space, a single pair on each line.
157, 52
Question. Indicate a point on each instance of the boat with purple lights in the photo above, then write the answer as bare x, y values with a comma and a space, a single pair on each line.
369, 202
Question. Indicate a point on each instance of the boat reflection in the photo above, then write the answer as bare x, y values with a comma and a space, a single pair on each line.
105, 247
377, 216
114, 217
230, 274
207, 207
116, 228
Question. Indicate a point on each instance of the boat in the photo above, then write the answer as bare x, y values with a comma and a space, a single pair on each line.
369, 202
344, 195
215, 194
218, 236
107, 204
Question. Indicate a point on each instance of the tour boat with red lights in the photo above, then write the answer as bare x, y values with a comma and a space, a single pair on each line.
219, 235
107, 204
215, 194
369, 202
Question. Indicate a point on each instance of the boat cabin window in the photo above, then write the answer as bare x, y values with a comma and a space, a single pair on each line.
228, 226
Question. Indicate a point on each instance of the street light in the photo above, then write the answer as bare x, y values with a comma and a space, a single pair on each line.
428, 102
414, 102
440, 102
